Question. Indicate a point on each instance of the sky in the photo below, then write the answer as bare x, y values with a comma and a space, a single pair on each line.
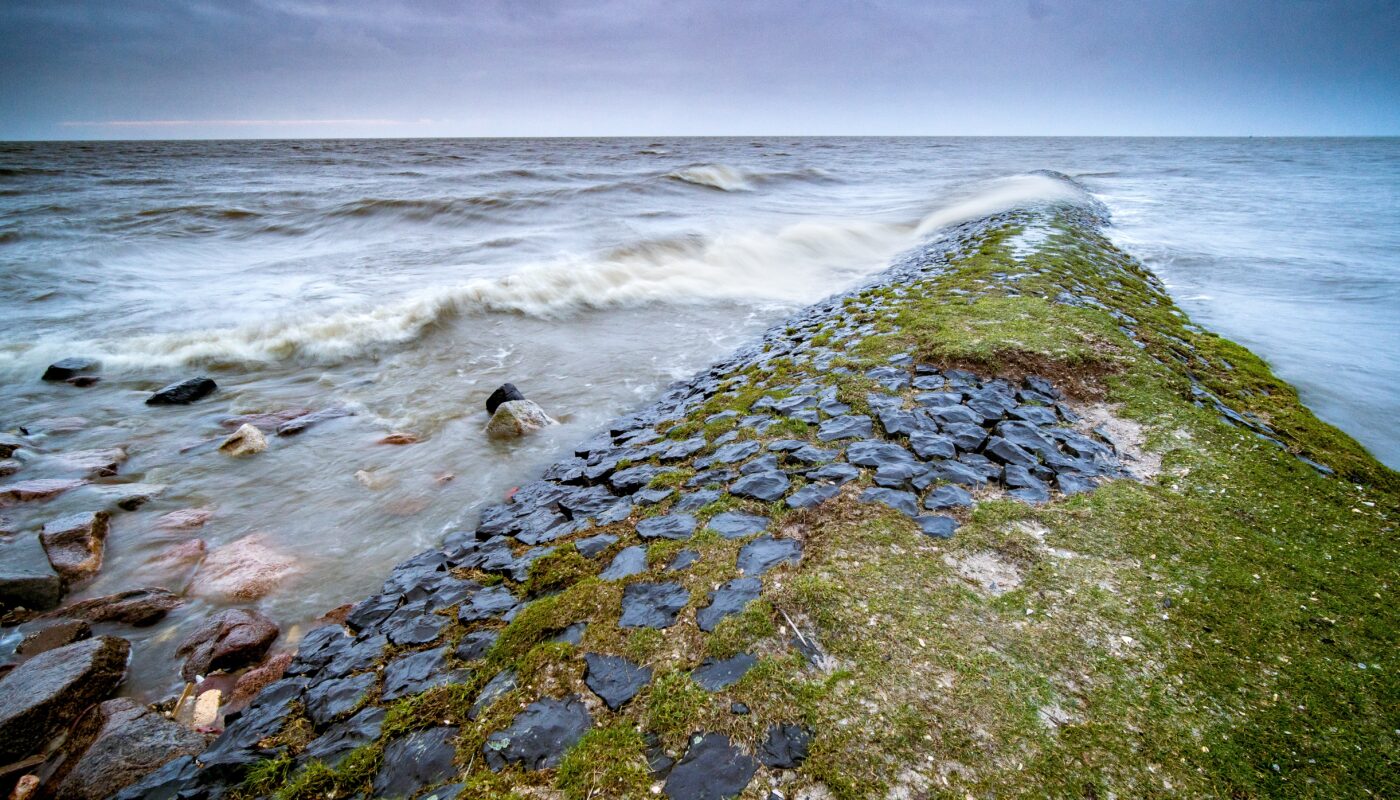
166, 69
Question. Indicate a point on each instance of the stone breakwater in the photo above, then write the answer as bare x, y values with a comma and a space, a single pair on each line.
925, 440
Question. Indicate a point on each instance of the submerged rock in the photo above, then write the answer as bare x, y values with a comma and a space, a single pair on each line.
51, 635
183, 393
114, 745
38, 489
138, 607
245, 441
299, 425
539, 736
33, 588
92, 463
229, 640
70, 368
74, 544
42, 696
517, 418
243, 570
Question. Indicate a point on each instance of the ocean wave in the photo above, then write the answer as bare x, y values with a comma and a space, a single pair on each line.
735, 179
795, 264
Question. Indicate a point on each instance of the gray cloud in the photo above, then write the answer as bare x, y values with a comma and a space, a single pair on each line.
559, 67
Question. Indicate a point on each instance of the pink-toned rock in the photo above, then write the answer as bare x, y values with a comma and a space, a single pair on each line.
254, 680
229, 640
38, 489
184, 519
174, 564
59, 424
74, 544
399, 438
139, 607
9, 466
92, 463
243, 570
129, 496
267, 423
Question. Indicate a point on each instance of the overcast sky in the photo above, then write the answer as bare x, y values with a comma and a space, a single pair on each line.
93, 69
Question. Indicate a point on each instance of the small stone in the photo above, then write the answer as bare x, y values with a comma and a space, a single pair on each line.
730, 598
738, 709
904, 502
652, 605
877, 454
711, 769
732, 453
931, 445
593, 546
69, 368
615, 679
813, 494
327, 700
682, 560
500, 684
765, 552
505, 393
834, 473
1003, 451
182, 393
539, 736
52, 634
667, 526
573, 634
74, 544
785, 746
628, 561
103, 463
418, 672
736, 524
475, 645
229, 640
492, 601
714, 675
517, 418
690, 503
854, 426
765, 486
342, 739
938, 527
399, 439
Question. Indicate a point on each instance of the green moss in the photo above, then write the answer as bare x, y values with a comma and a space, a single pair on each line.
738, 632
673, 704
606, 762
673, 479
563, 567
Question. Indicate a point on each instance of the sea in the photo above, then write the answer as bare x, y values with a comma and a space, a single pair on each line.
404, 280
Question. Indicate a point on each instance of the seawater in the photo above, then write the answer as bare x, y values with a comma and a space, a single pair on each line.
407, 279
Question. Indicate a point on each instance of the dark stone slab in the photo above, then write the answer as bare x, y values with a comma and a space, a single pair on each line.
730, 598
950, 496
69, 367
341, 740
810, 454
418, 672
711, 769
785, 746
505, 393
573, 634
966, 437
732, 453
902, 476
932, 445
593, 546
694, 501
683, 449
327, 700
813, 494
765, 486
938, 527
539, 736
652, 605
667, 526
475, 645
651, 497
766, 463
500, 684
628, 561
714, 675
416, 761
493, 601
852, 426
959, 473
736, 524
765, 552
182, 393
904, 502
1005, 452
877, 454
682, 560
834, 473
372, 610
1073, 484
613, 678
633, 478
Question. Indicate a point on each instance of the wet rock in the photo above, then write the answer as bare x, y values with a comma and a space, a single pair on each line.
42, 696
417, 760
165, 783
475, 645
730, 598
938, 527
785, 746
69, 368
137, 607
327, 700
667, 526
414, 623
615, 679
185, 519
539, 736
736, 524
130, 496
74, 544
174, 564
904, 502
500, 684
716, 674
341, 740
950, 496
103, 463
183, 393
853, 426
38, 489
505, 393
240, 744
245, 441
765, 553
711, 769
59, 424
83, 381
593, 546
257, 679
243, 570
765, 486
299, 425
682, 560
418, 672
51, 635
517, 418
268, 422
9, 466
116, 744
490, 602
399, 439
652, 605
628, 561
229, 640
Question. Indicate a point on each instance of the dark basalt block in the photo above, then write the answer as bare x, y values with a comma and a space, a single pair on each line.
183, 393
69, 368
765, 486
506, 393
736, 524
416, 761
716, 674
667, 526
785, 746
765, 552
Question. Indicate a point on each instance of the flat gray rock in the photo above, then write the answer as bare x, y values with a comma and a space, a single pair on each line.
539, 736
730, 598
736, 524
711, 769
667, 526
652, 605
765, 553
628, 561
851, 426
613, 678
716, 674
416, 761
765, 486
905, 503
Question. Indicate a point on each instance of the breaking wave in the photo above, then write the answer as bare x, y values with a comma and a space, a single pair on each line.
732, 179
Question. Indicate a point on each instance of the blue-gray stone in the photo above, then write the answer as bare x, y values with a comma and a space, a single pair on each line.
765, 552
950, 496
851, 426
628, 561
904, 502
939, 527
652, 605
730, 598
613, 678
667, 526
736, 524
765, 486
716, 674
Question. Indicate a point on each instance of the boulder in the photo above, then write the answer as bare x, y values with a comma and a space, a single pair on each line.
539, 736
507, 393
33, 588
114, 745
229, 640
245, 441
243, 570
74, 544
69, 368
41, 697
52, 634
137, 607
183, 393
517, 418
38, 489
711, 769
